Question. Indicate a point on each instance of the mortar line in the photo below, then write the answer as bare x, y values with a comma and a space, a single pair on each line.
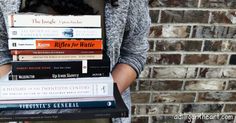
193, 52
159, 17
199, 3
193, 24
189, 9
210, 17
188, 79
194, 39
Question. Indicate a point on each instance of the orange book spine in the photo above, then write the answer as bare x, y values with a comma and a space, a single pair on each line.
69, 44
56, 44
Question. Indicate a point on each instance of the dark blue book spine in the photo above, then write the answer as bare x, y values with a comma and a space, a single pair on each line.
59, 105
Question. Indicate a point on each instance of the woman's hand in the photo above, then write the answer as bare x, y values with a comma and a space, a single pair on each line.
124, 75
4, 70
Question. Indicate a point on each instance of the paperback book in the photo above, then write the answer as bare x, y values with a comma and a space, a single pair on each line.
55, 52
57, 57
83, 33
40, 20
120, 110
57, 88
55, 44
60, 69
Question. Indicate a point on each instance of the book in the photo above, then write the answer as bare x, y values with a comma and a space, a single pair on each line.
84, 33
55, 76
120, 110
37, 20
57, 88
62, 69
57, 57
55, 44
55, 52
69, 103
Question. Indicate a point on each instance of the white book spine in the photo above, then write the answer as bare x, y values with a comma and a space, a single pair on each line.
21, 44
24, 20
70, 88
59, 100
57, 57
55, 33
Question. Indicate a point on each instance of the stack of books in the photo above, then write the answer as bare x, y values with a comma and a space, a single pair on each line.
53, 47
58, 63
58, 51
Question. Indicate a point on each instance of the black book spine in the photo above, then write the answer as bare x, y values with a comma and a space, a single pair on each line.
86, 68
104, 73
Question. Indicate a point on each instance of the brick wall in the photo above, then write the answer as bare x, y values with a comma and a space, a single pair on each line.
191, 66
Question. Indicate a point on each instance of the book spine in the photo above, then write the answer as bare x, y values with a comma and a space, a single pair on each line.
84, 33
56, 76
17, 20
58, 105
59, 69
55, 44
120, 110
62, 116
55, 52
33, 90
56, 57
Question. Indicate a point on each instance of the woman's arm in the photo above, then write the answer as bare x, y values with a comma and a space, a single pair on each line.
4, 70
5, 57
134, 46
123, 75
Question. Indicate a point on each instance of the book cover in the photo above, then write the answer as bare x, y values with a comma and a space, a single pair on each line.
55, 52
57, 88
120, 110
84, 33
57, 57
37, 20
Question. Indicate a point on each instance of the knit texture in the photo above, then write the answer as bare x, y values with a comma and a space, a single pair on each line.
127, 28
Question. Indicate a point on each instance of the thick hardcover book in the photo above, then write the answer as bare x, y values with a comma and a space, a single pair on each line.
84, 33
55, 52
120, 110
57, 57
97, 102
36, 20
57, 88
63, 69
55, 44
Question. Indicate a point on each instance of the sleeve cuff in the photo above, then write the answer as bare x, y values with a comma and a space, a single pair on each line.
5, 57
135, 64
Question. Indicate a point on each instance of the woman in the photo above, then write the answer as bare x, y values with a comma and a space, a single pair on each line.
127, 25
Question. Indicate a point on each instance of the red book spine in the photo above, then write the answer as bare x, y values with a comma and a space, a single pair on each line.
56, 52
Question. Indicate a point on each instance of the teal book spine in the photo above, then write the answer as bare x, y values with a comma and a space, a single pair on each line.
58, 105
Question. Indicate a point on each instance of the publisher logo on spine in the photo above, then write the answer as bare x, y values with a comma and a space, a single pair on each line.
43, 45
13, 44
68, 33
14, 32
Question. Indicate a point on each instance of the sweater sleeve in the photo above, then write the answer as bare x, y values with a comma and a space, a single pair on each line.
5, 56
135, 45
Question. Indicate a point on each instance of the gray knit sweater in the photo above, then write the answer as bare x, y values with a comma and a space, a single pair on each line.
126, 33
